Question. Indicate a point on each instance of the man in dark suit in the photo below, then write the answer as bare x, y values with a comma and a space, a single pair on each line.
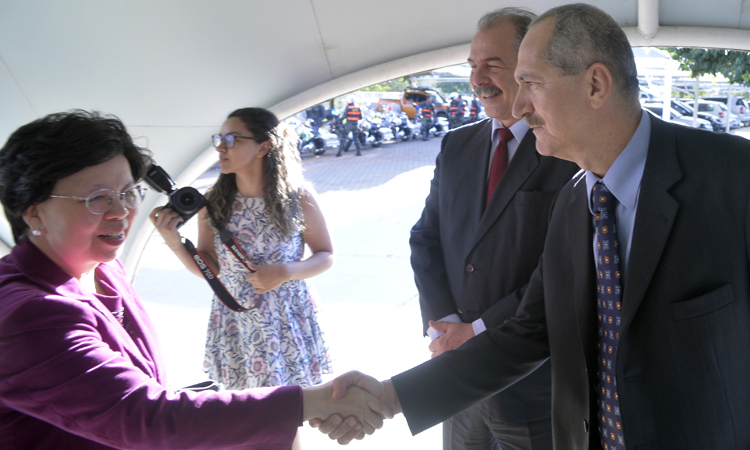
653, 351
480, 237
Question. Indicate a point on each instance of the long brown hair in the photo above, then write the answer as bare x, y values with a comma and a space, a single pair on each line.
282, 168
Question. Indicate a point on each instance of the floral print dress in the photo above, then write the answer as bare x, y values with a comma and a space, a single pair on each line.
279, 342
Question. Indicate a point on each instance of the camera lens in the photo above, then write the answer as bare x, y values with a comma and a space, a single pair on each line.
187, 200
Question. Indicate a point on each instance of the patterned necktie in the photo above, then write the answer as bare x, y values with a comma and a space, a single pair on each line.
609, 306
499, 162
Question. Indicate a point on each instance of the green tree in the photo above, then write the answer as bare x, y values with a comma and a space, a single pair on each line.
461, 87
734, 65
395, 85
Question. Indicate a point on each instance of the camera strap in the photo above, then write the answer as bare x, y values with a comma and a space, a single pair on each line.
213, 280
228, 240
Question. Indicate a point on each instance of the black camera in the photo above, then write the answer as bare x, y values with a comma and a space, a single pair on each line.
186, 201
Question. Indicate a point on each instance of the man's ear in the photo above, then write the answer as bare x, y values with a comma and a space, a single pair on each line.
600, 86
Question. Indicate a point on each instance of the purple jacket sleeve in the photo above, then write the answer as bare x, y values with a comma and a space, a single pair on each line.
64, 364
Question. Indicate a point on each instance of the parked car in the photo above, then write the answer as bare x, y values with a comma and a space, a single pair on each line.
407, 100
717, 109
739, 107
675, 117
687, 111
644, 95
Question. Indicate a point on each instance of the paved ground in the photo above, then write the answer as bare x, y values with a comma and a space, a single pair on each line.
369, 312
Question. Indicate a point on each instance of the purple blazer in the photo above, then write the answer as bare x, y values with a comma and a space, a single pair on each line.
72, 377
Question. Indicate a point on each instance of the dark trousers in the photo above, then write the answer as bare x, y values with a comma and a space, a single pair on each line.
426, 124
344, 141
478, 428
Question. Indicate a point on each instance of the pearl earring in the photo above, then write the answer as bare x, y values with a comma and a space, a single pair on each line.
37, 232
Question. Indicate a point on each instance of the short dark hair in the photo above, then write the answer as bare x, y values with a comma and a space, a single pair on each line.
520, 17
585, 35
39, 154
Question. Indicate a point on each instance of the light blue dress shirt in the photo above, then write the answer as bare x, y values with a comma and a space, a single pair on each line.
623, 179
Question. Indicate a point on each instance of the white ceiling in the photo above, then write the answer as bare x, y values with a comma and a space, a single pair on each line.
173, 69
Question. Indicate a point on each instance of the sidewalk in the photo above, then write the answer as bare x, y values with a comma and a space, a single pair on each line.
369, 311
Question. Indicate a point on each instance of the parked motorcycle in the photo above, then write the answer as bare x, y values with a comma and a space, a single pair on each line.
384, 127
401, 127
371, 131
309, 142
439, 126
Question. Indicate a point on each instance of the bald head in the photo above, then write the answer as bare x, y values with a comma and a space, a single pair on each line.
583, 35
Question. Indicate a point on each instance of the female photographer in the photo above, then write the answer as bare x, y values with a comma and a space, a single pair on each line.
261, 199
80, 366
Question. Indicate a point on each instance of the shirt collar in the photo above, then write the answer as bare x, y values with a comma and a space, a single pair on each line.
519, 129
623, 178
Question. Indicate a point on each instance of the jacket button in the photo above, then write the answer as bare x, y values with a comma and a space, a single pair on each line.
470, 268
460, 309
585, 426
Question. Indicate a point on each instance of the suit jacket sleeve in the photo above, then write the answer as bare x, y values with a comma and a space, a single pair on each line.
435, 299
485, 365
501, 310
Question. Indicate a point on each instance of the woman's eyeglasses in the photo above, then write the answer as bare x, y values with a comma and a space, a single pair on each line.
101, 201
229, 140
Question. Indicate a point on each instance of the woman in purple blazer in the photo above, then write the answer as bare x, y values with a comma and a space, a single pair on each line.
80, 367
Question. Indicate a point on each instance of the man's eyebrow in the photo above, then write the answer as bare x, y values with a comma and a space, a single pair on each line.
522, 76
491, 58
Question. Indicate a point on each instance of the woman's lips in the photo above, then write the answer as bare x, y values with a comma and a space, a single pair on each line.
115, 238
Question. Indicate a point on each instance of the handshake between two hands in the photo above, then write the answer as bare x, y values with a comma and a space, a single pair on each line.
349, 407
354, 404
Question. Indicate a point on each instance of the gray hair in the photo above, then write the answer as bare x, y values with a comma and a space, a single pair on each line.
585, 35
520, 17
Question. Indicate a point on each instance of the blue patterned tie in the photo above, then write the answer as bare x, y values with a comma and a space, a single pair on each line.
609, 305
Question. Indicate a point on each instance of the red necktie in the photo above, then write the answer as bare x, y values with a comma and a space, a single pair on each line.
499, 162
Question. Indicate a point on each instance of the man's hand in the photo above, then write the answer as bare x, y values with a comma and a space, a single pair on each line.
336, 428
318, 401
455, 335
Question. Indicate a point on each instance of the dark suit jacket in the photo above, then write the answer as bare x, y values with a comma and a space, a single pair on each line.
684, 354
466, 259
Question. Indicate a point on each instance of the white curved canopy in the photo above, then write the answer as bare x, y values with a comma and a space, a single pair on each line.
173, 69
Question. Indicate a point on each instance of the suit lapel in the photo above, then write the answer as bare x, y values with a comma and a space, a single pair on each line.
581, 235
472, 173
524, 162
655, 216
